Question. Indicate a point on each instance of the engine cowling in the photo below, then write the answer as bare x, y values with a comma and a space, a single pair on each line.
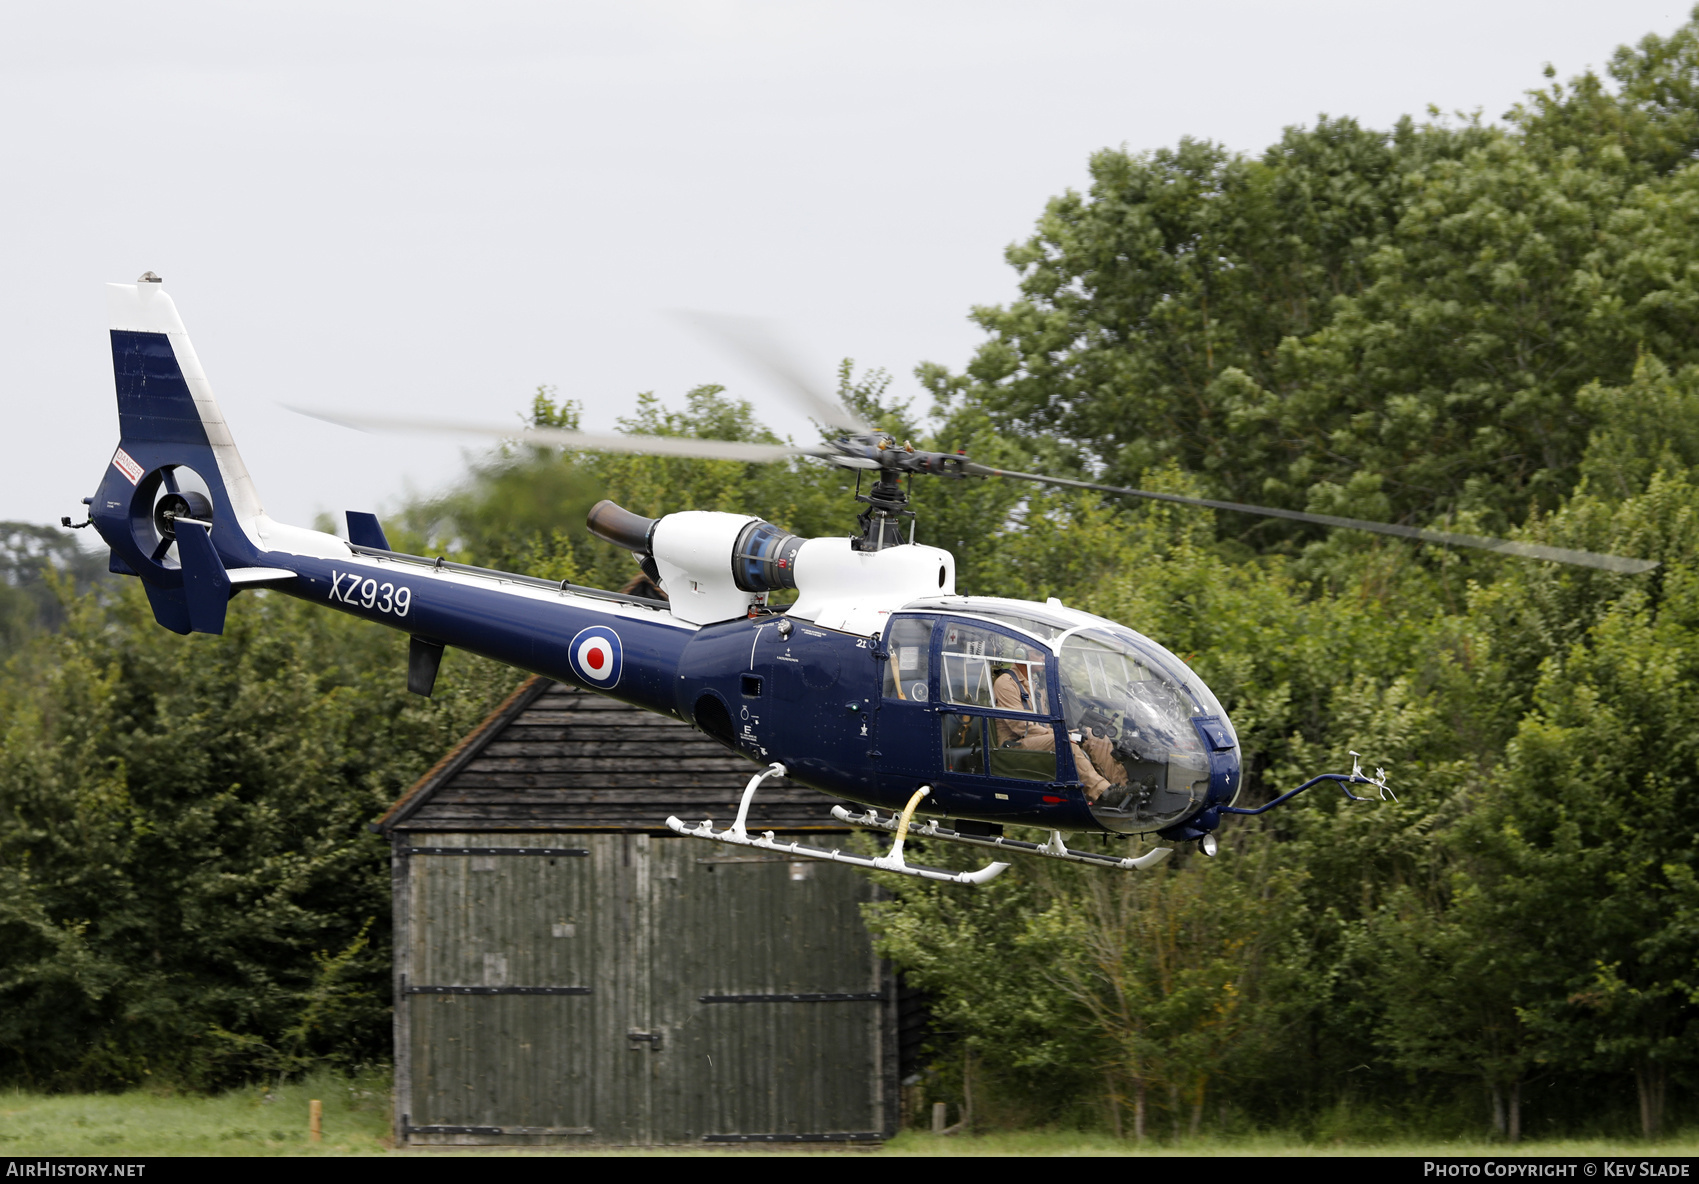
713, 566
716, 566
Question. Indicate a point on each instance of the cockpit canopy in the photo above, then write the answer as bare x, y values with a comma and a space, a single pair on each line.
1105, 671
1111, 683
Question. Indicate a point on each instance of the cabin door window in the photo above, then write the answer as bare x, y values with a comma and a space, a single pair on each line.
908, 720
996, 691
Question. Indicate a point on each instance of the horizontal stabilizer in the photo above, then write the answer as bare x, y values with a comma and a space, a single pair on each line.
241, 576
365, 531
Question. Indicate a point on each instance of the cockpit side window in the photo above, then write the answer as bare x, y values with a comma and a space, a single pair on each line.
908, 674
972, 658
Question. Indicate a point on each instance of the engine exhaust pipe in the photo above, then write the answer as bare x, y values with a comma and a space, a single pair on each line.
615, 524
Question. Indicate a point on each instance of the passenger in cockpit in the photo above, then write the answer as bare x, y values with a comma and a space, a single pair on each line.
1094, 757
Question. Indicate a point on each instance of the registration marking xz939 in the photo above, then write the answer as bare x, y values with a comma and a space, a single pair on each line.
368, 593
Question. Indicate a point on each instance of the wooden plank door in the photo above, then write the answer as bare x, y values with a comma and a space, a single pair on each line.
624, 1051
520, 991
770, 997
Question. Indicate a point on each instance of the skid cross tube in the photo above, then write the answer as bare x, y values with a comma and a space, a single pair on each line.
894, 861
773, 770
737, 834
705, 830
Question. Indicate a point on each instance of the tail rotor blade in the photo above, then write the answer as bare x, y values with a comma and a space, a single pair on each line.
758, 343
1616, 563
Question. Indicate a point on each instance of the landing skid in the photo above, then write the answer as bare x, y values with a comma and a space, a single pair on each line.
900, 824
737, 835
1054, 849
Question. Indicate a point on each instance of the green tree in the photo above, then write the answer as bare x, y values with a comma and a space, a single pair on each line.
190, 894
1387, 325
1649, 124
29, 555
1173, 969
1586, 838
1453, 976
991, 987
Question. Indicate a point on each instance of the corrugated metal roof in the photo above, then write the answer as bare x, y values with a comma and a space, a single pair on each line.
553, 757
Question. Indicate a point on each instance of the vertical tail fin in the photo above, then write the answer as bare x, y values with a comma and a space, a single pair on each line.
163, 394
175, 458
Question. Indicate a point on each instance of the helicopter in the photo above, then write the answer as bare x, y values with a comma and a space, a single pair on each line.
880, 684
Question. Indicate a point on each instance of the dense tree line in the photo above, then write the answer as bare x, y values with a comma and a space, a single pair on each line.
1492, 325
188, 891
1385, 324
1449, 322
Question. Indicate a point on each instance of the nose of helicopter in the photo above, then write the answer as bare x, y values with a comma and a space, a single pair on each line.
1225, 778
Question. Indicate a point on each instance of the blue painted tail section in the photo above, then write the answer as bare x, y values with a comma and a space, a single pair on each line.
174, 458
154, 401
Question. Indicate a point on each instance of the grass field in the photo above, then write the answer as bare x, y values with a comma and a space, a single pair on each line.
356, 1122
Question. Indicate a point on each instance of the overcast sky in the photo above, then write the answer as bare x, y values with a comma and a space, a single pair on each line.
432, 208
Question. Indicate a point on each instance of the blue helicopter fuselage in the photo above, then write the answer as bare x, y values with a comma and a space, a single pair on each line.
848, 711
811, 701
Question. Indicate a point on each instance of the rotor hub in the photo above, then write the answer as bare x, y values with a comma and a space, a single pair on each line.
180, 504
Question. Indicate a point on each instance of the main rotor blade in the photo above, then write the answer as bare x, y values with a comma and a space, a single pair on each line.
757, 343
1615, 563
578, 441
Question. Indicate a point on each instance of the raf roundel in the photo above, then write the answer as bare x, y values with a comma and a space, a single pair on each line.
596, 656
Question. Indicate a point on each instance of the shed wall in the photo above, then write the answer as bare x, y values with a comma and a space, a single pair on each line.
556, 998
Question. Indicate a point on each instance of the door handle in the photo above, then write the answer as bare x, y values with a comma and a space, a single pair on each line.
638, 1039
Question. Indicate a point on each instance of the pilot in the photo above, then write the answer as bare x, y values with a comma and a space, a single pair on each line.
1099, 770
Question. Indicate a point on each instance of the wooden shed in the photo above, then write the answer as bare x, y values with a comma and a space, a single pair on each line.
568, 971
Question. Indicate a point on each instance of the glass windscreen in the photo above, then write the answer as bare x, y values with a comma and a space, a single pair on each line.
1120, 698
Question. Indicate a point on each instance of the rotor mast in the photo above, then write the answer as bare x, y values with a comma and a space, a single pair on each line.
887, 501
882, 522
